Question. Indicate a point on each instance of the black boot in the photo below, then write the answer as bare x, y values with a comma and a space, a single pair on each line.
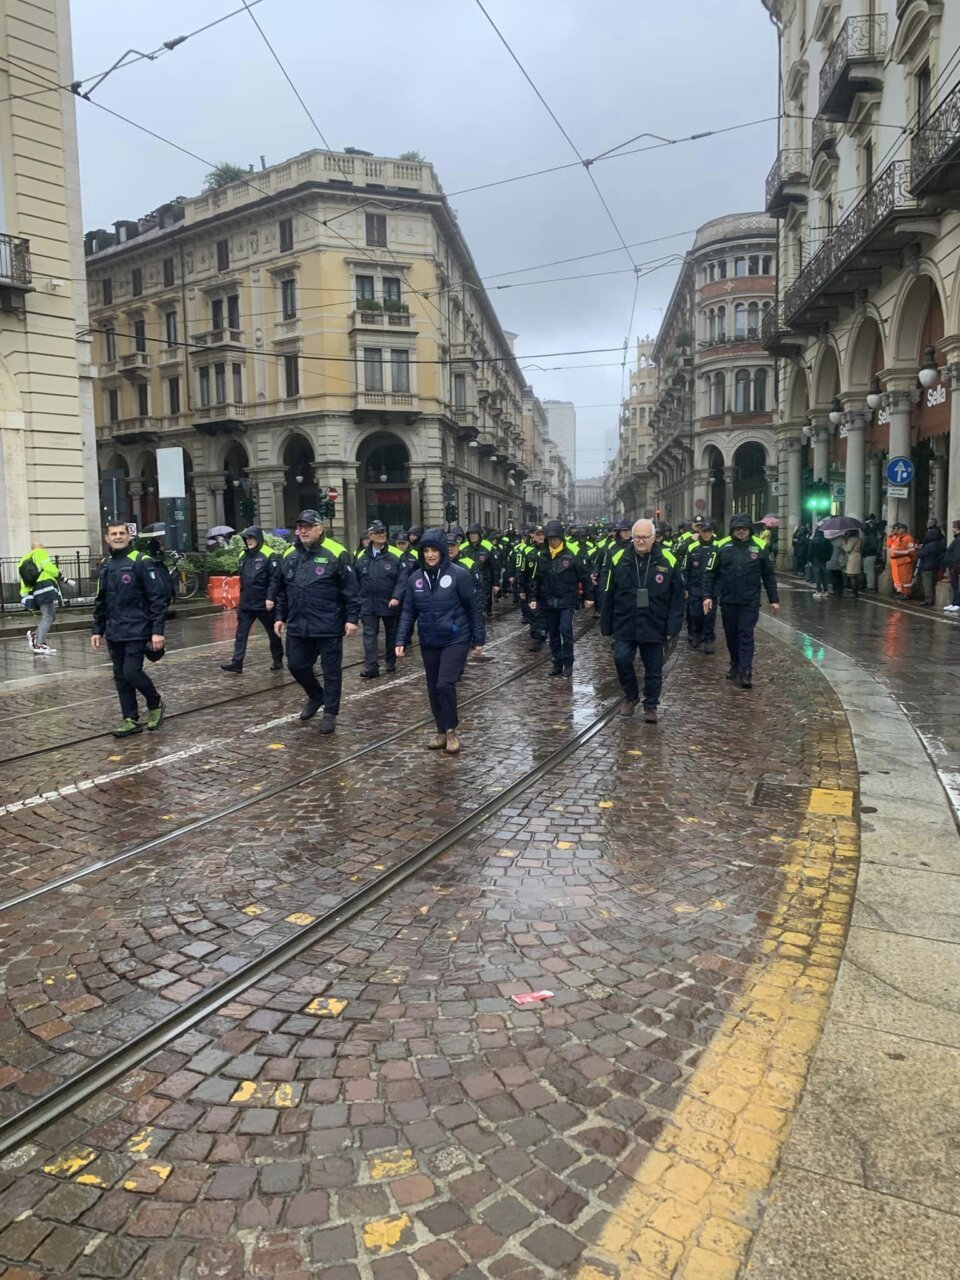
746, 679
708, 647
568, 669
733, 673
311, 707
369, 673
233, 666
276, 664
557, 669
328, 723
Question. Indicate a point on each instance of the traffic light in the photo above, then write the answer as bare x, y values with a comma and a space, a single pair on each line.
326, 508
819, 499
451, 513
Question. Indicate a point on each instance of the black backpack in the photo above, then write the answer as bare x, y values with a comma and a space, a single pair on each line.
30, 573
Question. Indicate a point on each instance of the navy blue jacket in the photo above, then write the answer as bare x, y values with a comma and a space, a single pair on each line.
257, 569
381, 578
131, 602
443, 602
316, 590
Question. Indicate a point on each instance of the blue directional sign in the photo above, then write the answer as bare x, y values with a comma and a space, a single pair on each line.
899, 471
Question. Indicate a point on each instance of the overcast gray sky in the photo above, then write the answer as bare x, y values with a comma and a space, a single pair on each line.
431, 76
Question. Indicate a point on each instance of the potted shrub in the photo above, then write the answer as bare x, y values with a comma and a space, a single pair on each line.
395, 306
369, 304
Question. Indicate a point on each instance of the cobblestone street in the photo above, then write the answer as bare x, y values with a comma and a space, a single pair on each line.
378, 1103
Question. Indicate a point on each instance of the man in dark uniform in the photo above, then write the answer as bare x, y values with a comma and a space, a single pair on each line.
556, 579
643, 610
381, 578
318, 603
488, 564
738, 568
258, 565
538, 540
130, 611
411, 558
701, 626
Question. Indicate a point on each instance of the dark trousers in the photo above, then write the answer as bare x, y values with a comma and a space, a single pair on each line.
836, 581
245, 620
820, 576
558, 625
955, 586
929, 579
651, 655
130, 677
700, 625
739, 621
371, 630
302, 654
444, 667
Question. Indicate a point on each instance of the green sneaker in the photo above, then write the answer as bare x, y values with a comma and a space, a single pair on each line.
128, 727
155, 717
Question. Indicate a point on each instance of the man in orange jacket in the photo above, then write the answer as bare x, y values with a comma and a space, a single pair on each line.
903, 556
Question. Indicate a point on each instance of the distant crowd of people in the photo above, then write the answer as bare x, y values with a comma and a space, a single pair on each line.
851, 560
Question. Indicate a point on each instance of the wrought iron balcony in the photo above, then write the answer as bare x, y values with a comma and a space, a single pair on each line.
824, 136
854, 64
787, 181
776, 335
15, 271
827, 280
935, 157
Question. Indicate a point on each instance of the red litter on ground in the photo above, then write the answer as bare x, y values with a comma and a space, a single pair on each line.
533, 997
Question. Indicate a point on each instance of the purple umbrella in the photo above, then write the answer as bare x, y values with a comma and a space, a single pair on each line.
837, 526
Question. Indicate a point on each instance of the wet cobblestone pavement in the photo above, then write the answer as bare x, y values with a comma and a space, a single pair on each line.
381, 1106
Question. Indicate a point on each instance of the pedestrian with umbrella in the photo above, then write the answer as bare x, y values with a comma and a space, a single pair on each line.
852, 570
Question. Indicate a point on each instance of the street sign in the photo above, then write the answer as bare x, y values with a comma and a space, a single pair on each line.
839, 490
331, 495
898, 491
899, 471
775, 489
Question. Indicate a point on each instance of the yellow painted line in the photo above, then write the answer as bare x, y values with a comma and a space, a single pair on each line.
696, 1199
70, 1162
824, 800
300, 917
326, 1007
393, 1164
385, 1233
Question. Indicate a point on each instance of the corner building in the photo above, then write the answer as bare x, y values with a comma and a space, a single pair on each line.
866, 330
48, 477
319, 325
714, 445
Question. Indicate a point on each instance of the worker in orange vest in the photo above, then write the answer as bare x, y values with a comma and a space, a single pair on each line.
902, 551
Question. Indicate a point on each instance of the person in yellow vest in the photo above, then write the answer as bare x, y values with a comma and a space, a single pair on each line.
40, 585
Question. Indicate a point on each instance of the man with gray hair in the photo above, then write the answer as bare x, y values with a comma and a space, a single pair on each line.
642, 610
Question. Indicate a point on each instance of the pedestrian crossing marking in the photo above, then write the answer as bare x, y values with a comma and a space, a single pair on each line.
827, 800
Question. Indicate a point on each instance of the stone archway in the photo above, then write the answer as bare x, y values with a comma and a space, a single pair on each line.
750, 479
299, 479
239, 499
383, 482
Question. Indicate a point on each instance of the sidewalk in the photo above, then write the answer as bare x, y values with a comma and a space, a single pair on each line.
869, 1185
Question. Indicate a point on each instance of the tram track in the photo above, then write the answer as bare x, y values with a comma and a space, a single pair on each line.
64, 1098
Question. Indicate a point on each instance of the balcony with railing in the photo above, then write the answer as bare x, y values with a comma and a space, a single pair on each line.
787, 181
824, 137
776, 336
935, 155
379, 318
217, 338
831, 276
212, 419
16, 275
387, 401
135, 365
135, 430
854, 64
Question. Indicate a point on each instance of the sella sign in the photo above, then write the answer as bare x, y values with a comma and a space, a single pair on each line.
936, 395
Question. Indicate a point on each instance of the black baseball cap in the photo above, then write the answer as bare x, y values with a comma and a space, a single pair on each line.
309, 517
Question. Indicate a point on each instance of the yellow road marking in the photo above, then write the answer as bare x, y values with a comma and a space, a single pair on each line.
70, 1162
384, 1233
696, 1199
393, 1164
825, 800
300, 917
252, 910
326, 1007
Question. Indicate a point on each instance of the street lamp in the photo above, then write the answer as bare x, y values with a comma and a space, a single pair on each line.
836, 411
874, 395
299, 479
929, 373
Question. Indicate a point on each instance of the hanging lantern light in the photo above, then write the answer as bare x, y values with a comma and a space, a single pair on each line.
836, 411
874, 395
929, 373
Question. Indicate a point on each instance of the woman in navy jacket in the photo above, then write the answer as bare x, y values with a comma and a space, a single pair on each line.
442, 600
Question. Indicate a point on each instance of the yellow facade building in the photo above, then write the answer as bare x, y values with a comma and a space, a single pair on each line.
318, 326
48, 481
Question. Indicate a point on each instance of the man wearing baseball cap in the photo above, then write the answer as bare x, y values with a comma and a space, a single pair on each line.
382, 578
318, 603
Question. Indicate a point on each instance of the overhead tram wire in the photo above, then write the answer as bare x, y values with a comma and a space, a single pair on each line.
168, 46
